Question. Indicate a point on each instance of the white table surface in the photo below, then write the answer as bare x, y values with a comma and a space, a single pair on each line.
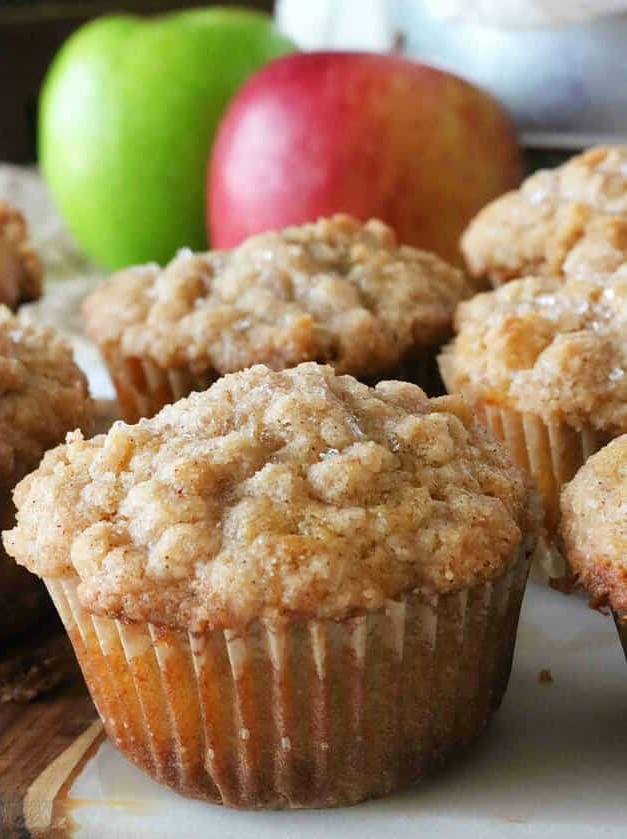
552, 764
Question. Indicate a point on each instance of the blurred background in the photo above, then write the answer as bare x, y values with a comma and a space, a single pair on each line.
225, 119
31, 32
558, 66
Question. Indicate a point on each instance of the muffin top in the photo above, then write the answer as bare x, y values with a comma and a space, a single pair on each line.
600, 255
547, 346
20, 269
337, 291
594, 528
532, 230
275, 494
43, 395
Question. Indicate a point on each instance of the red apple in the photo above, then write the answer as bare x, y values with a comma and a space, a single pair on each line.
372, 135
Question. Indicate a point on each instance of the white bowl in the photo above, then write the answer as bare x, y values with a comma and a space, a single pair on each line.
566, 86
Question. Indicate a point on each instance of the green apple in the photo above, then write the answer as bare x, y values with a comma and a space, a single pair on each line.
128, 112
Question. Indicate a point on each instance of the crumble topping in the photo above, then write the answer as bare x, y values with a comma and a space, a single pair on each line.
336, 291
533, 229
294, 493
547, 346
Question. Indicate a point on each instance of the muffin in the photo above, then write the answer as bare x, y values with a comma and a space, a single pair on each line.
593, 529
43, 395
533, 229
291, 590
20, 269
543, 362
337, 291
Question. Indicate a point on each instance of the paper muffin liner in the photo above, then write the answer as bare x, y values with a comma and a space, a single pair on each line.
552, 453
310, 713
143, 388
22, 594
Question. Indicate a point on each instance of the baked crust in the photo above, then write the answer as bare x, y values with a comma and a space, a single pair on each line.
336, 291
20, 268
547, 346
275, 494
593, 525
43, 395
533, 229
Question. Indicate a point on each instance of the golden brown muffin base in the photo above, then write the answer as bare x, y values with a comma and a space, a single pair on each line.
315, 713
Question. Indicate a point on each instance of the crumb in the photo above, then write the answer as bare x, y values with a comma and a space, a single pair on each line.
544, 677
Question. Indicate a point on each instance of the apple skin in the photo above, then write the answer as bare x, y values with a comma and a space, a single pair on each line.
373, 135
127, 115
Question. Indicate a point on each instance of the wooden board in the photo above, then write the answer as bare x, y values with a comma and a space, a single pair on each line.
552, 763
31, 737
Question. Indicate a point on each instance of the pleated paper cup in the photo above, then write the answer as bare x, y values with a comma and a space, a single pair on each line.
310, 713
143, 388
552, 453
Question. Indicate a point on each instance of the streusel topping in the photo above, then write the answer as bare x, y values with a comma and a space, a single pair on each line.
600, 256
43, 395
337, 291
20, 269
533, 229
594, 525
275, 494
551, 347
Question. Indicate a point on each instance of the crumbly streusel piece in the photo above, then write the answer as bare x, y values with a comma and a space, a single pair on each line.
271, 494
43, 394
600, 256
20, 269
594, 524
336, 291
533, 229
551, 347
